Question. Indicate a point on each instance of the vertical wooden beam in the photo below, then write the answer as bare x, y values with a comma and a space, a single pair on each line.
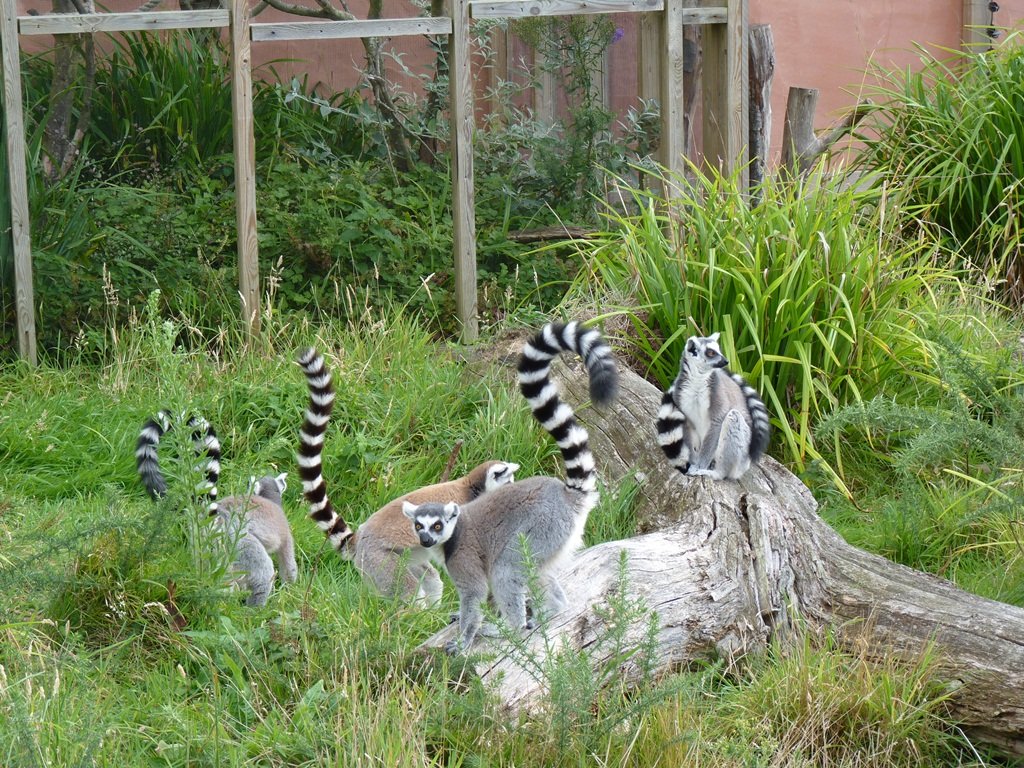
245, 165
976, 21
463, 205
650, 38
673, 125
17, 175
545, 92
761, 72
725, 95
499, 69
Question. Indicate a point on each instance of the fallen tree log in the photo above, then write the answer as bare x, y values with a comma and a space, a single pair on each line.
731, 566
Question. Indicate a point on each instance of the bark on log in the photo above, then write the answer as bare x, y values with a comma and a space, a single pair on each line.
730, 566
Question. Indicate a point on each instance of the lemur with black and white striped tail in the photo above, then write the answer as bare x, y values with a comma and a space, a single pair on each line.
384, 548
255, 521
483, 541
711, 421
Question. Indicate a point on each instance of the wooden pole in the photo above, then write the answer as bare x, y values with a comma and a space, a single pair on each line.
762, 70
976, 21
463, 213
17, 175
245, 165
673, 126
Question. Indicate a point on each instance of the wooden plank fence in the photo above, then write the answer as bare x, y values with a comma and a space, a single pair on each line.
724, 98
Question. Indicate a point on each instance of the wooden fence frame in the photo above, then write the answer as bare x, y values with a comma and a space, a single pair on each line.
724, 114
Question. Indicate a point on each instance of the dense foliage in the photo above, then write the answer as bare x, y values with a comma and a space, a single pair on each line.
946, 142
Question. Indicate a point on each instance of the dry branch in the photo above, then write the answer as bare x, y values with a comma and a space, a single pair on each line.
730, 566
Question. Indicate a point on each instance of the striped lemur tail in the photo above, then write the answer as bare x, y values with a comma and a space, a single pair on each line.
204, 442
311, 445
549, 409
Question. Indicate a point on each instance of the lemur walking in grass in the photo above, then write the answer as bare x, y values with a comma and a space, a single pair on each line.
482, 541
384, 548
255, 521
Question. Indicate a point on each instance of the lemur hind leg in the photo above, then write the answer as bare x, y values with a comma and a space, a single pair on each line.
252, 558
732, 454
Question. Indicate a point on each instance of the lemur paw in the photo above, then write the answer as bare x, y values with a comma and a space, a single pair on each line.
453, 647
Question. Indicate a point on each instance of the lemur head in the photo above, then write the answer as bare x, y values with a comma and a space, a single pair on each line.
702, 354
433, 522
269, 487
500, 473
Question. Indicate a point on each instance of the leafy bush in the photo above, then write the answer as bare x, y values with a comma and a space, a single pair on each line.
946, 143
163, 106
814, 306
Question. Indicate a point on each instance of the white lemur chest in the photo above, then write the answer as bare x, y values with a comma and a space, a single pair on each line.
693, 398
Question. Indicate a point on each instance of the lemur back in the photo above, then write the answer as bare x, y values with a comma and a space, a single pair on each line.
384, 549
711, 422
255, 521
482, 541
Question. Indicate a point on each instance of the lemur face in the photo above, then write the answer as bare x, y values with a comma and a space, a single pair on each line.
500, 474
433, 523
702, 353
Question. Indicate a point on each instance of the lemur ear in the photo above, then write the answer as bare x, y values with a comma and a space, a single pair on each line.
451, 509
254, 486
408, 509
282, 486
714, 336
512, 467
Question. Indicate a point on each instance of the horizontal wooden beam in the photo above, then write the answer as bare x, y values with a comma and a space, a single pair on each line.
356, 28
77, 23
517, 9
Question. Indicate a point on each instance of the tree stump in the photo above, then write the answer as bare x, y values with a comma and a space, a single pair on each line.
732, 566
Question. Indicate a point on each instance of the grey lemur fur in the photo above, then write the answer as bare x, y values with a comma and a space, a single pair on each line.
482, 541
254, 522
711, 421
384, 548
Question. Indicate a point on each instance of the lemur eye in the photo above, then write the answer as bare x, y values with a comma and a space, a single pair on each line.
709, 353
419, 526
436, 527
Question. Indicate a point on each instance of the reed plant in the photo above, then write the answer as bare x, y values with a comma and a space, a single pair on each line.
944, 140
818, 301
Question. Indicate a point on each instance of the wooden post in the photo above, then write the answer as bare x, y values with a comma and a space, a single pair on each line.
17, 175
673, 127
976, 21
762, 70
245, 165
725, 92
463, 213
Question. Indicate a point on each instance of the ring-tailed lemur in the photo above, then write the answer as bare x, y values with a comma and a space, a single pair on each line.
255, 521
483, 541
384, 548
711, 421
204, 441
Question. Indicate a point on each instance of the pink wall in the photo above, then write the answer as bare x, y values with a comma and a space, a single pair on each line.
830, 45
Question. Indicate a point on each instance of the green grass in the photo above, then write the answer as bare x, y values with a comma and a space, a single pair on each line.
120, 647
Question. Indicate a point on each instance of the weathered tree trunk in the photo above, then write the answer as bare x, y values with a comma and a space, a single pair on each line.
731, 566
801, 146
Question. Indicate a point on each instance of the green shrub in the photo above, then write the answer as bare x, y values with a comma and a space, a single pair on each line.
816, 299
945, 142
